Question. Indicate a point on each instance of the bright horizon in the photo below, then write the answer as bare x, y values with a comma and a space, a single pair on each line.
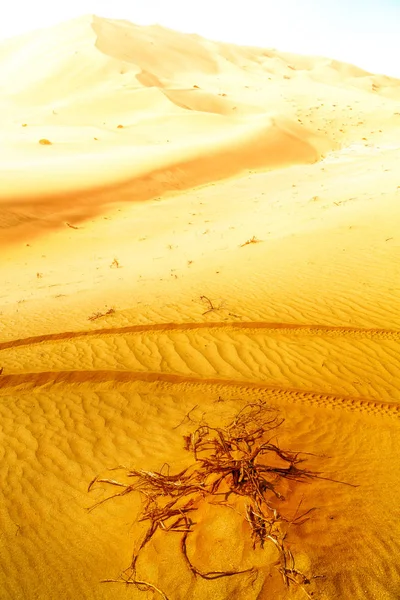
362, 32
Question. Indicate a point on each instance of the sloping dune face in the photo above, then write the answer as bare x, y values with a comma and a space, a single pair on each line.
134, 102
187, 227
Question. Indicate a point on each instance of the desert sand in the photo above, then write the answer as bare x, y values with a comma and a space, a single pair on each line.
129, 296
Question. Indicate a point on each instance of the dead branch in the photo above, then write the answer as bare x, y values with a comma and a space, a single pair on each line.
143, 586
187, 416
98, 314
210, 305
252, 240
209, 574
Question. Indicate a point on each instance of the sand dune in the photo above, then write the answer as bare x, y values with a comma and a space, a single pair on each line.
211, 225
113, 91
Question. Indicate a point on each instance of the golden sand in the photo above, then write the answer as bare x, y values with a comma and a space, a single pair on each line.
167, 154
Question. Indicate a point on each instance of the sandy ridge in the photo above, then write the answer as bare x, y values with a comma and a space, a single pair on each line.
36, 380
292, 328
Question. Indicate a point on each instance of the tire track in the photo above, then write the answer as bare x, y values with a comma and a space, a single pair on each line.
49, 378
285, 328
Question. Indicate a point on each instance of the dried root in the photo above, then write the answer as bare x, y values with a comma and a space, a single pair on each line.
237, 460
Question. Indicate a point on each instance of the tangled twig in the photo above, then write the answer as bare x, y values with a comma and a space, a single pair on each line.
237, 460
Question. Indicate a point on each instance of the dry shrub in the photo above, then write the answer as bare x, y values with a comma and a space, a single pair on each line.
45, 142
99, 315
253, 240
235, 462
115, 264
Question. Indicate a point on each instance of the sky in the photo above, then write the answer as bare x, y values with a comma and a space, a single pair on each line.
362, 32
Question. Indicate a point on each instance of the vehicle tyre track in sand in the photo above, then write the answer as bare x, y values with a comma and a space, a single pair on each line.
292, 328
49, 378
296, 357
